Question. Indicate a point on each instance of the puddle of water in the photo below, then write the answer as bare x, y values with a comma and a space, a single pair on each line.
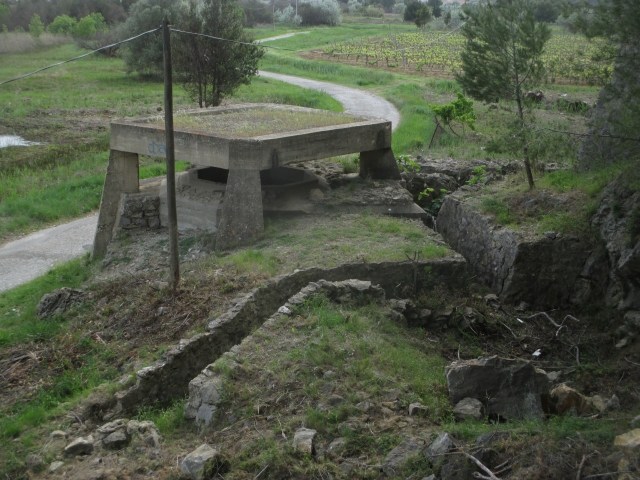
15, 141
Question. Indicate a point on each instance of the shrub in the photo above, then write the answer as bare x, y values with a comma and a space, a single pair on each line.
320, 12
62, 25
88, 26
36, 27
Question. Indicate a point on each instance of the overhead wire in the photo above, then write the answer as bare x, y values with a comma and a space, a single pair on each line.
79, 57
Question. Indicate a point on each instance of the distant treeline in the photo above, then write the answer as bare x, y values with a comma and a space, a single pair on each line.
18, 13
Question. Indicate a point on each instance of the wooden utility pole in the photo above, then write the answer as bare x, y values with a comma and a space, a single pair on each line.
174, 276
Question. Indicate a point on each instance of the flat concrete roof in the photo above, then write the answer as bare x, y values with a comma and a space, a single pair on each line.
232, 135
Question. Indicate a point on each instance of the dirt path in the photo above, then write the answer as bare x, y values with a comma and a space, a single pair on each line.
25, 259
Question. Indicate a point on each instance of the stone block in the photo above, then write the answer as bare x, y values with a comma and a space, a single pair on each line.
511, 389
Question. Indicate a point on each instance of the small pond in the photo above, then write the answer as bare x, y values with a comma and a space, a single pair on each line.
15, 141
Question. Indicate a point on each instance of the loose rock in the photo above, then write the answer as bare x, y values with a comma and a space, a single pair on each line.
417, 409
55, 466
80, 446
399, 455
567, 399
59, 301
439, 447
468, 408
511, 389
629, 440
303, 440
204, 462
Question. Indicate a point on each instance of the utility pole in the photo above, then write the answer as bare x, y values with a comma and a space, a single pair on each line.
174, 277
273, 14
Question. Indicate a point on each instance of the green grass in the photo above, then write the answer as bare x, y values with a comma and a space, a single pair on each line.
322, 36
497, 207
18, 321
323, 70
267, 90
416, 125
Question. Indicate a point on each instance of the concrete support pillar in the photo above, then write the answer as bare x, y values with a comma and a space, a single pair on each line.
122, 177
379, 165
241, 219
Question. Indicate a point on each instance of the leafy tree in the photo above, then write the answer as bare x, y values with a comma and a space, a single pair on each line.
211, 69
502, 54
459, 111
62, 25
89, 25
411, 7
36, 27
436, 7
145, 55
423, 16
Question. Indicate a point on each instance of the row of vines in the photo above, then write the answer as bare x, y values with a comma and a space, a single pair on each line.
568, 58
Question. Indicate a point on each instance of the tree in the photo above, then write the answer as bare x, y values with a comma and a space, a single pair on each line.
436, 7
211, 69
89, 25
423, 16
36, 27
145, 55
62, 25
503, 50
411, 7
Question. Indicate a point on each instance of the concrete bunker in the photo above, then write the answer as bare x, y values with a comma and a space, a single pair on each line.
249, 146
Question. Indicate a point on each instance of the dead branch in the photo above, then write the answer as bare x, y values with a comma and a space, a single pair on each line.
632, 363
261, 472
559, 326
490, 474
580, 467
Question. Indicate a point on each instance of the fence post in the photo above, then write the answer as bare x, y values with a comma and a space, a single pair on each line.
174, 276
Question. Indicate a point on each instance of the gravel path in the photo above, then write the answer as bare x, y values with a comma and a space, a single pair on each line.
354, 101
32, 256
279, 37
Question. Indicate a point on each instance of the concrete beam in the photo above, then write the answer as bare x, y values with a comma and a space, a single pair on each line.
122, 177
379, 165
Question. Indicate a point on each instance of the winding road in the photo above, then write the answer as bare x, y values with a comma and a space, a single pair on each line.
25, 259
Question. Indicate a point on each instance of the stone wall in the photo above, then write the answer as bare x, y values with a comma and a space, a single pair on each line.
137, 210
170, 377
544, 271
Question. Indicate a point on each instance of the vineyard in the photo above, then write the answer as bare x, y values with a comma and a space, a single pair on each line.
568, 58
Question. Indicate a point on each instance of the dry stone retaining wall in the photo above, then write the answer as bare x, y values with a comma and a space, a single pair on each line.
547, 271
169, 378
137, 210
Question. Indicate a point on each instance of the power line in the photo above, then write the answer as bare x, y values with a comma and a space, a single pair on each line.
234, 41
78, 58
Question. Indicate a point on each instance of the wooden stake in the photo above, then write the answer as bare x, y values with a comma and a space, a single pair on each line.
174, 277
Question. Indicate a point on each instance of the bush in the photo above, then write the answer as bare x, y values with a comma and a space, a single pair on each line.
320, 12
372, 12
36, 27
62, 25
88, 26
